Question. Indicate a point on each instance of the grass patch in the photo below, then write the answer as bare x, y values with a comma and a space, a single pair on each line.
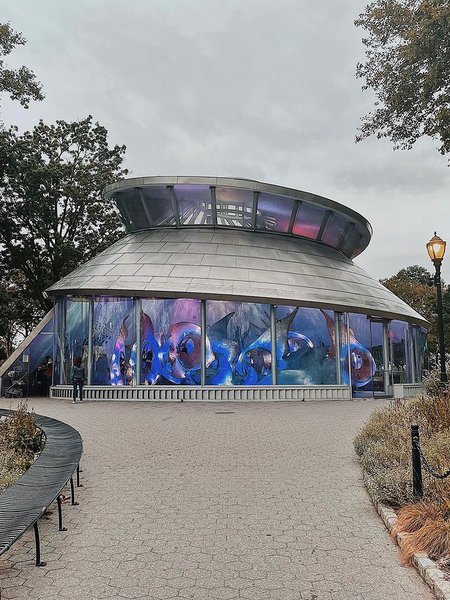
21, 441
383, 446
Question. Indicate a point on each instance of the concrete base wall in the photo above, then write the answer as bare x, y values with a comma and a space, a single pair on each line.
208, 394
407, 390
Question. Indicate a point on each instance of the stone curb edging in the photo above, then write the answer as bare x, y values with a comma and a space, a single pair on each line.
427, 568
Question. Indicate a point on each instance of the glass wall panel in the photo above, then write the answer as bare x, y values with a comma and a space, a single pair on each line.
158, 207
377, 351
344, 347
352, 241
114, 339
362, 363
334, 231
59, 317
238, 346
131, 207
171, 342
76, 333
398, 337
194, 202
31, 373
234, 207
308, 220
420, 352
274, 212
306, 352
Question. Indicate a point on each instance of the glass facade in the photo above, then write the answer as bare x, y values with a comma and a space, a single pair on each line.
31, 373
194, 204
334, 231
76, 333
399, 336
362, 364
206, 204
171, 345
157, 204
274, 212
234, 207
238, 343
308, 220
420, 361
186, 341
306, 353
113, 358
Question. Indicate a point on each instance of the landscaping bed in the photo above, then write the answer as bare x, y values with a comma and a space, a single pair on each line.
384, 449
21, 442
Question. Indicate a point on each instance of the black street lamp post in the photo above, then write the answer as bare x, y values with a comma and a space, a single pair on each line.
436, 250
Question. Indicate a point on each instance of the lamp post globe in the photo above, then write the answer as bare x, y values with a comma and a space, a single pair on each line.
436, 251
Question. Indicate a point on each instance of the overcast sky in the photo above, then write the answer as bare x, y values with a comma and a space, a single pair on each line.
244, 88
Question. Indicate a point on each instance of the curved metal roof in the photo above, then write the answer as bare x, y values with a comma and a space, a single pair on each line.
154, 202
244, 266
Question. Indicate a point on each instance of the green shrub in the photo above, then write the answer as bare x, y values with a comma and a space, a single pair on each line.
384, 448
431, 383
20, 442
12, 466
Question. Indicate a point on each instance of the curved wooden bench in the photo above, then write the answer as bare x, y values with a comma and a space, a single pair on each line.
25, 501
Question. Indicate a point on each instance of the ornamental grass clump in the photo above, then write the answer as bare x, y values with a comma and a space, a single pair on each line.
20, 443
384, 449
427, 528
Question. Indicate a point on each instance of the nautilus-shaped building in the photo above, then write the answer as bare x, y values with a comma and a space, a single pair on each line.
230, 289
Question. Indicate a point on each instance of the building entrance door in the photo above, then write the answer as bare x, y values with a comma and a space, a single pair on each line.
380, 366
382, 355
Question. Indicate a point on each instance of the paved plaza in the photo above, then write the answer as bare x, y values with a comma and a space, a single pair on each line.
214, 501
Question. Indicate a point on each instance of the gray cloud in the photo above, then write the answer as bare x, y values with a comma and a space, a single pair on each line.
247, 88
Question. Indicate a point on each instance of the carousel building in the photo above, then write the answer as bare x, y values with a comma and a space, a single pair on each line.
226, 289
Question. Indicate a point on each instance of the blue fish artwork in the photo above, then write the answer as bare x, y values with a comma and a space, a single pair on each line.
119, 367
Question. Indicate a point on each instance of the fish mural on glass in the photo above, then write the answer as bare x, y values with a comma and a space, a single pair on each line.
299, 360
119, 366
254, 364
240, 353
150, 359
236, 359
180, 354
362, 363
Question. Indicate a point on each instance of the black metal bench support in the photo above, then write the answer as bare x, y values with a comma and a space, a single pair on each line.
72, 491
78, 479
39, 562
60, 517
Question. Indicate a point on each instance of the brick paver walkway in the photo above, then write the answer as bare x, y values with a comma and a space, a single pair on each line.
222, 501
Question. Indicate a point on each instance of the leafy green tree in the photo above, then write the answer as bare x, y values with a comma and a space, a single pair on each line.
21, 84
414, 286
446, 316
19, 312
408, 67
52, 214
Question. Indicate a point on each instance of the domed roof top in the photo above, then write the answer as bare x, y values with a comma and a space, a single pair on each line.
233, 265
177, 202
